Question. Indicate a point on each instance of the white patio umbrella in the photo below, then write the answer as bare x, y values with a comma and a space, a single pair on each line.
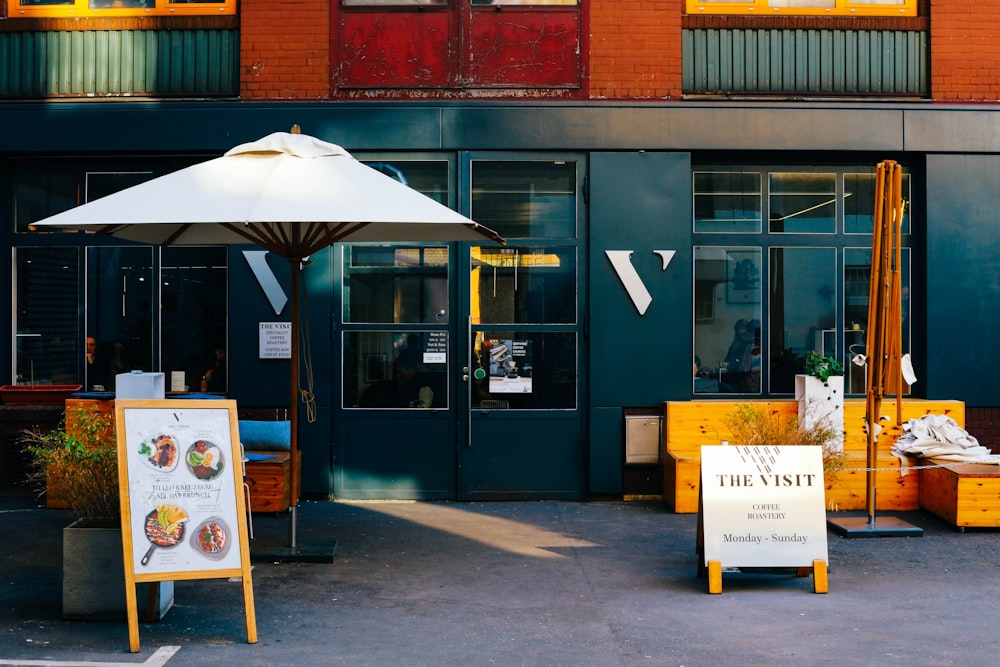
289, 193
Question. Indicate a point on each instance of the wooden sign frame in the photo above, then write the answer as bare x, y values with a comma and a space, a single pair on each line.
184, 514
762, 506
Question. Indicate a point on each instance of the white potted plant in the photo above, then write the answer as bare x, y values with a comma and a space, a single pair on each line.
820, 395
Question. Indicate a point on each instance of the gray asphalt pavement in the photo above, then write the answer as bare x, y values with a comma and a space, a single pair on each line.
601, 584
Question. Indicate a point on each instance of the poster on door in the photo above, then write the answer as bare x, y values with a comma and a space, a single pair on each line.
510, 367
184, 481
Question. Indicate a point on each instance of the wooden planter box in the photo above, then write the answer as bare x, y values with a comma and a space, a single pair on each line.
690, 424
964, 496
270, 482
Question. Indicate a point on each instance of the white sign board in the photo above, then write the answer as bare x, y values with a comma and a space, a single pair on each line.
275, 340
180, 475
763, 506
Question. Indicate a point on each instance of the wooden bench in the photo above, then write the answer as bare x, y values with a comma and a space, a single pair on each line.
265, 434
966, 496
690, 424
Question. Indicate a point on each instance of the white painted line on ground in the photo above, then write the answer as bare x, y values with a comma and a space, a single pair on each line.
158, 659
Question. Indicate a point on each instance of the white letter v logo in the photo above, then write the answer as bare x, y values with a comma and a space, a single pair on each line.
621, 260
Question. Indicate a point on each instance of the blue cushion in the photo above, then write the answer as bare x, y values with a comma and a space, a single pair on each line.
266, 436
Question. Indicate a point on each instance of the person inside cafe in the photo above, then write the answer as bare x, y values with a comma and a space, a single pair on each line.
97, 371
742, 362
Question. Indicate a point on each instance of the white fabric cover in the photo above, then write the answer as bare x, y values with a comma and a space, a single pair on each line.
940, 439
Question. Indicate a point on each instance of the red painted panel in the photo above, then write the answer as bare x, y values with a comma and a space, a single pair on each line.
395, 49
524, 48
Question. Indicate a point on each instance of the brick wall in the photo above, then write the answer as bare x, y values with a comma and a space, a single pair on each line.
965, 50
284, 49
984, 425
635, 49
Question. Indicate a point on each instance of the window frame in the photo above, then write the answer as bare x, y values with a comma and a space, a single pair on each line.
761, 8
766, 240
82, 9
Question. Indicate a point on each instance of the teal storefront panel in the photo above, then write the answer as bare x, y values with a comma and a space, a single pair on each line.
963, 278
119, 62
641, 203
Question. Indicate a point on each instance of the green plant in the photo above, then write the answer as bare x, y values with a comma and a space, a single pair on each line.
79, 461
753, 425
822, 367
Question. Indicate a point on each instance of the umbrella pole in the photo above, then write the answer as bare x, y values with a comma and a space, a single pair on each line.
294, 552
294, 263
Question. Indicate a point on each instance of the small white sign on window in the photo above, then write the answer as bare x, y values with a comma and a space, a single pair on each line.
275, 340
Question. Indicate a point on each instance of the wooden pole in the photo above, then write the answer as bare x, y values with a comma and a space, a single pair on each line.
295, 264
873, 344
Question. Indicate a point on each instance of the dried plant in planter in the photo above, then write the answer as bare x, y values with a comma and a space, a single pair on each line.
753, 425
80, 459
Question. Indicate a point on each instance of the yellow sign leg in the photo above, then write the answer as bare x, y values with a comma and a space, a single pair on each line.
714, 577
820, 584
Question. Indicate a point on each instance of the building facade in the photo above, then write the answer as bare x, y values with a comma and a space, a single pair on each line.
680, 183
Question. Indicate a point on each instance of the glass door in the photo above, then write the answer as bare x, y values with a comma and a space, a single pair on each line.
523, 430
460, 364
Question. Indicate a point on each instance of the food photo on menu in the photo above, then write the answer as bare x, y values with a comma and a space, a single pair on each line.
164, 528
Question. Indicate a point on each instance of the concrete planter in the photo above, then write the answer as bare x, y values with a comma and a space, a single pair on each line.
94, 578
821, 403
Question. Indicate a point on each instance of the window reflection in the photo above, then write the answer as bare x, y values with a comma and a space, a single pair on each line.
803, 311
857, 274
396, 284
535, 199
119, 313
48, 339
859, 203
393, 369
193, 316
521, 370
516, 285
727, 201
802, 203
728, 347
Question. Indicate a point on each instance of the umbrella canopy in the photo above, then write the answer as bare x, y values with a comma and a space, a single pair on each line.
289, 193
885, 314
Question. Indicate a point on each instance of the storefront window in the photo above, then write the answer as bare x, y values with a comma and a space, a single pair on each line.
802, 203
519, 285
857, 274
119, 310
48, 341
193, 316
812, 292
39, 193
727, 201
525, 199
396, 284
802, 287
728, 347
859, 203
92, 8
396, 369
807, 7
523, 370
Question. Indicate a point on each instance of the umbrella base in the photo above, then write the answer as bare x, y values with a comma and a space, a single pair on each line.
320, 552
860, 526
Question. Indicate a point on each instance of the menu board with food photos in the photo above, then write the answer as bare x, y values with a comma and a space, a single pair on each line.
180, 474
